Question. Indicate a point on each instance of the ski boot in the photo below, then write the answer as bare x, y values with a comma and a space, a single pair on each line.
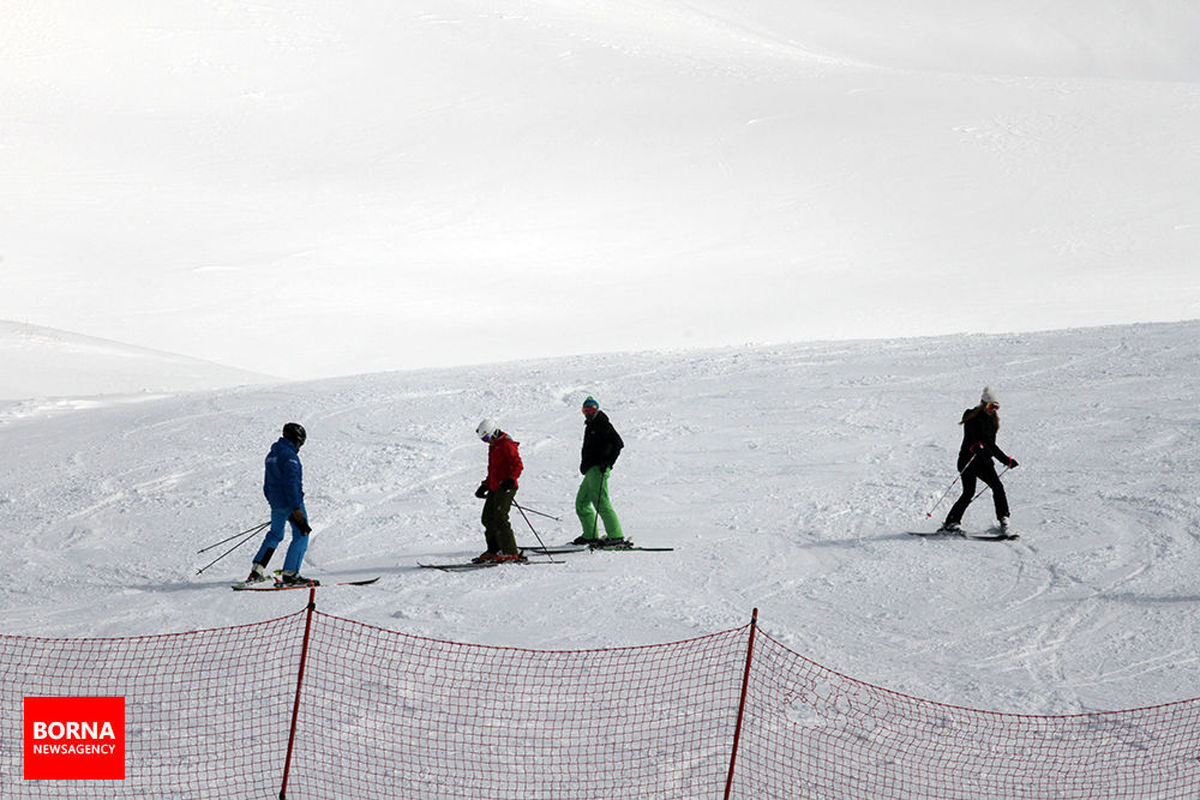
290, 578
258, 574
610, 543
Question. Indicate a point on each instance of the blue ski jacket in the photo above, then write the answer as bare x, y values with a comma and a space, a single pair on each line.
283, 480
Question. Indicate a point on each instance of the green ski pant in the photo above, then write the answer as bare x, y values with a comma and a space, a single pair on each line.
591, 502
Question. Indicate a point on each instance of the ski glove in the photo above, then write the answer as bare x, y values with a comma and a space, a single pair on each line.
298, 519
508, 485
1012, 463
482, 491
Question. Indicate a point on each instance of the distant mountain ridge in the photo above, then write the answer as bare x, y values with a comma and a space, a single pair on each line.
45, 362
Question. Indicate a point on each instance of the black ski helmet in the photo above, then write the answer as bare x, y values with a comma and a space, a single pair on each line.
294, 433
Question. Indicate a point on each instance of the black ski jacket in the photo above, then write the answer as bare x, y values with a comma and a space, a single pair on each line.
601, 443
979, 436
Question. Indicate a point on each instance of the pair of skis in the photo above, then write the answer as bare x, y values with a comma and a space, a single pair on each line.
580, 548
279, 586
469, 566
990, 535
541, 551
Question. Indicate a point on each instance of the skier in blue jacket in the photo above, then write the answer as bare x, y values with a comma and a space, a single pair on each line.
283, 486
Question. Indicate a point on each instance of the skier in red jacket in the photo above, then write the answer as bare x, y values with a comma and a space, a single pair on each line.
497, 491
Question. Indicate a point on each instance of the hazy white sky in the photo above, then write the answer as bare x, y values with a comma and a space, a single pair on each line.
303, 189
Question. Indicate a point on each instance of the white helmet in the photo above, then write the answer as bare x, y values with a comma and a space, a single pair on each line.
487, 429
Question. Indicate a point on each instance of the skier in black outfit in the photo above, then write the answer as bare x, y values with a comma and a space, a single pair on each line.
601, 447
979, 447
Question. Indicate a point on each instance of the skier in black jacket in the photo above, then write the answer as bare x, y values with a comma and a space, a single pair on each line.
601, 447
979, 447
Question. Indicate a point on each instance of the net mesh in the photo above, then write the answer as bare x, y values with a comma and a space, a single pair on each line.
810, 732
384, 714
425, 718
206, 713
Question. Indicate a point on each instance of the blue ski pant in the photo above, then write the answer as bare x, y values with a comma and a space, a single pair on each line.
299, 545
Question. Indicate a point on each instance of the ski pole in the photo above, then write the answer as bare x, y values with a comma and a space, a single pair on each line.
255, 529
986, 487
253, 533
535, 533
539, 513
929, 513
599, 497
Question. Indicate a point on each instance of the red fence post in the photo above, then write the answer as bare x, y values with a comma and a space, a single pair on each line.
287, 763
737, 731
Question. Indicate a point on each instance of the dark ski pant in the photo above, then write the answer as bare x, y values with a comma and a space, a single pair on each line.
496, 527
981, 469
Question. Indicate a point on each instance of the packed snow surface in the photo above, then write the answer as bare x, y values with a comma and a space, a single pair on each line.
784, 477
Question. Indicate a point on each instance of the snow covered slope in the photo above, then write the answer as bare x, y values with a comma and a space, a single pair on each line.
785, 478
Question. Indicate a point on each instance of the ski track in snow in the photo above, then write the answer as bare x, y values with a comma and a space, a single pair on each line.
784, 476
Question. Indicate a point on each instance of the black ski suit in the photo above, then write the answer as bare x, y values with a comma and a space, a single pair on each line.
975, 462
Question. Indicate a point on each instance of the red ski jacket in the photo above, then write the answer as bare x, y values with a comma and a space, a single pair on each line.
504, 462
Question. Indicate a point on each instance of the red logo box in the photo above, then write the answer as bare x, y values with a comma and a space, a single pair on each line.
75, 738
